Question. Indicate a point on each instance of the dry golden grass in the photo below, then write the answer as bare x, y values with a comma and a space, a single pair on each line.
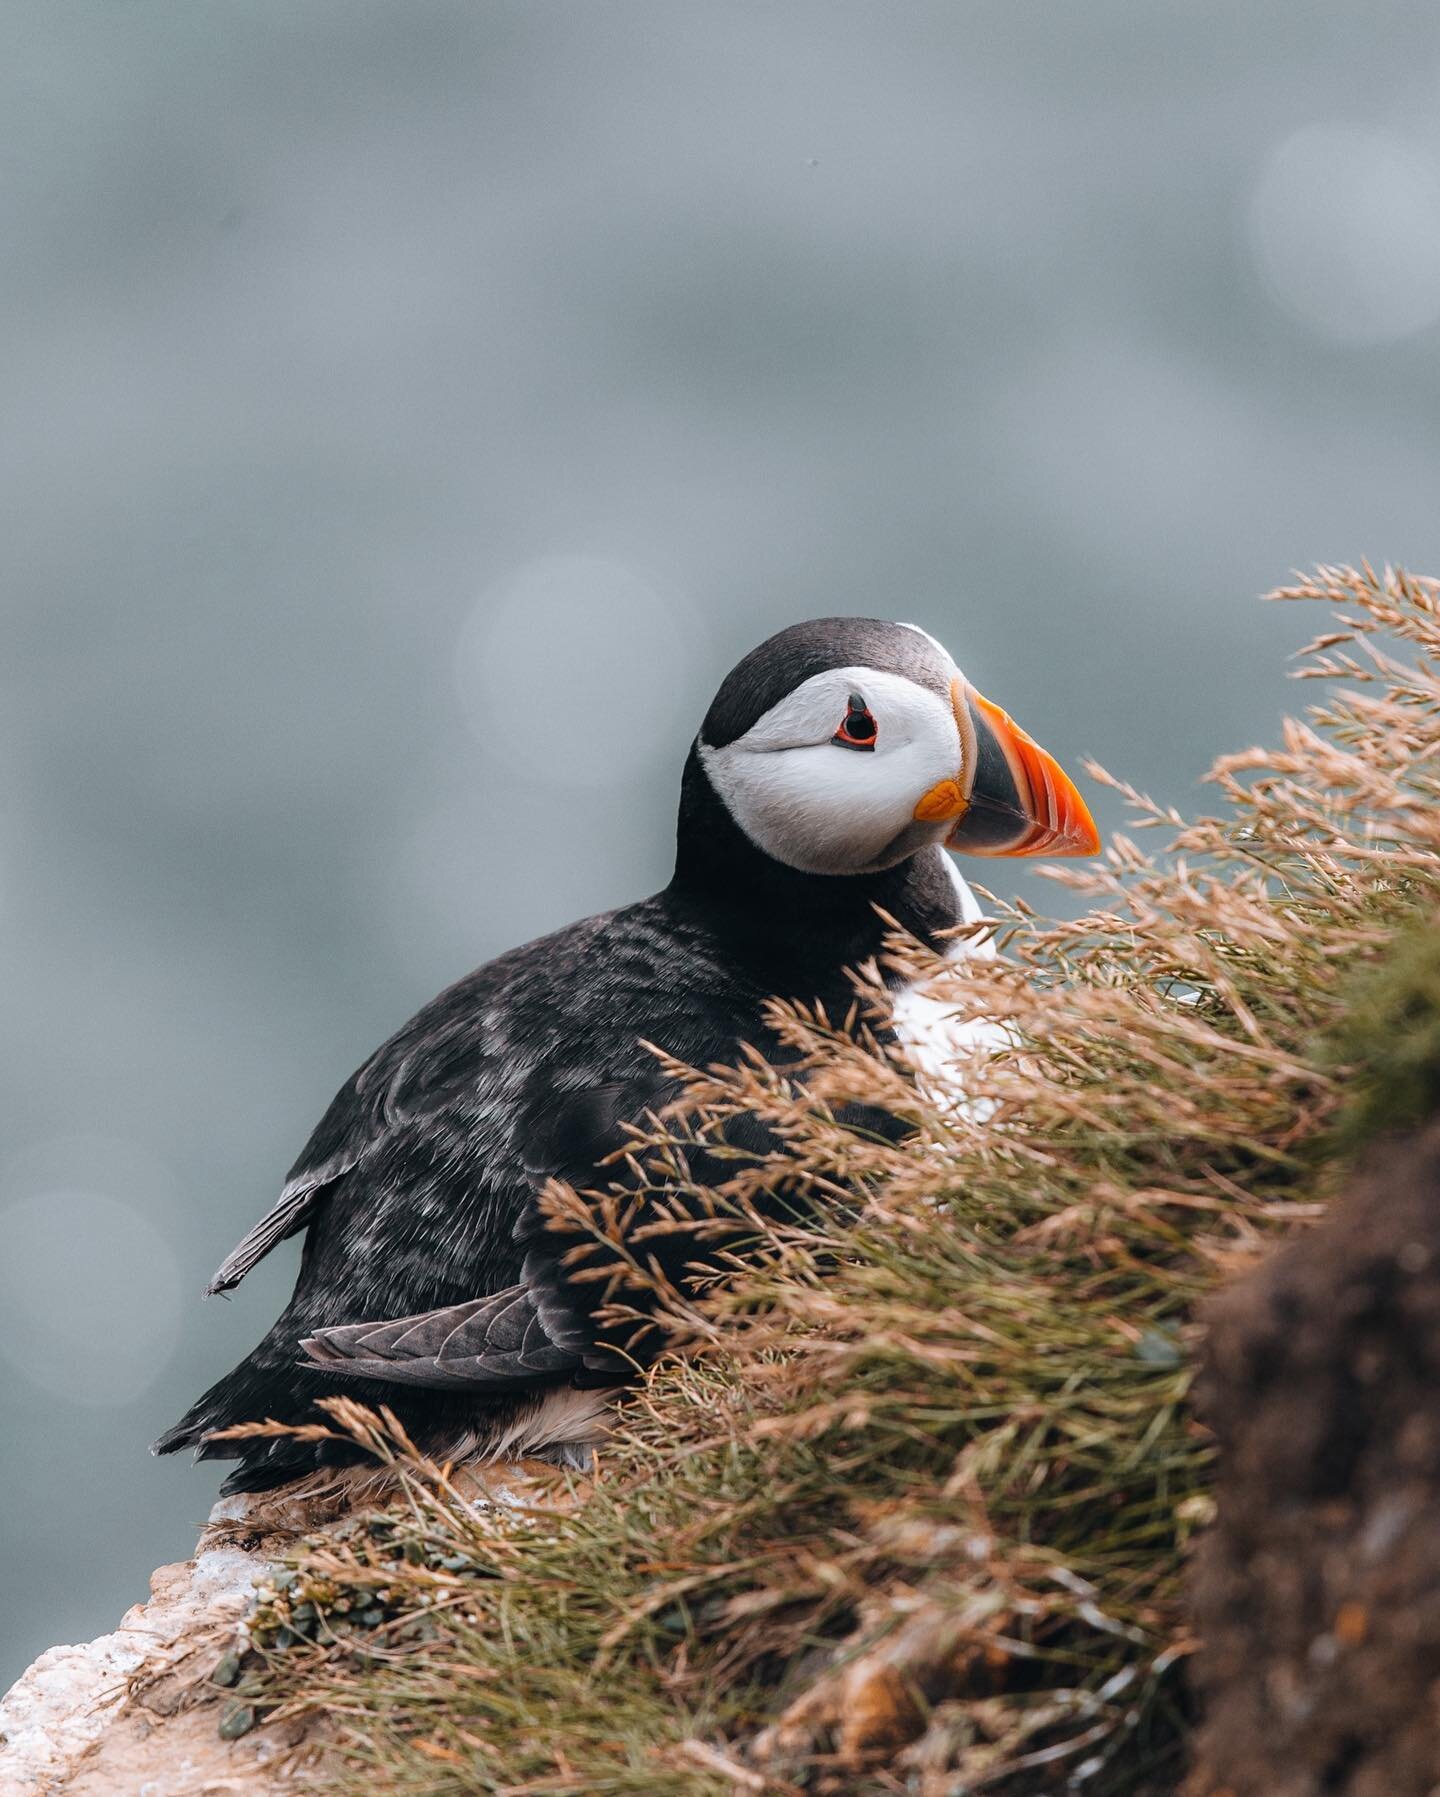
910, 1514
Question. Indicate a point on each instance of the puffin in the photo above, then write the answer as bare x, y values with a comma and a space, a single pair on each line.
837, 764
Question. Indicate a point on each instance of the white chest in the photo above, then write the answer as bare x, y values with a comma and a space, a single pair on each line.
937, 1037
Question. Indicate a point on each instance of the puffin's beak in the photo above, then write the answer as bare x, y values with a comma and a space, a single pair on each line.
1011, 797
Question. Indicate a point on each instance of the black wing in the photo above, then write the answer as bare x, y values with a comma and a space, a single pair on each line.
486, 1344
529, 1331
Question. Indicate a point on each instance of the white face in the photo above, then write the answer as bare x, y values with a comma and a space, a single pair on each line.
825, 808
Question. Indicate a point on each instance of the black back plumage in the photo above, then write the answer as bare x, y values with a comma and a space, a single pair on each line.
418, 1188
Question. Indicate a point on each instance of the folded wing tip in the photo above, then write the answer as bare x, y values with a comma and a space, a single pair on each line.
492, 1343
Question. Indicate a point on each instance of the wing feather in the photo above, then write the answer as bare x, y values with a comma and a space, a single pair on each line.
290, 1214
483, 1344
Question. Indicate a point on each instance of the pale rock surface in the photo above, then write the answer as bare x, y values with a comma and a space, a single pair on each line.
71, 1727
134, 1714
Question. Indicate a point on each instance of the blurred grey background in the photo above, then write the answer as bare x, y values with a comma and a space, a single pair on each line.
384, 387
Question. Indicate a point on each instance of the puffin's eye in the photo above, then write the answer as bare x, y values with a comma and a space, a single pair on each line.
859, 728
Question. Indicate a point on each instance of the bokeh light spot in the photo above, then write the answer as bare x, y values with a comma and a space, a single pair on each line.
89, 1296
1345, 231
575, 671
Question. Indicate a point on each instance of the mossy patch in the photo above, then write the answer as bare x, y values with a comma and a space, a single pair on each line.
1388, 1040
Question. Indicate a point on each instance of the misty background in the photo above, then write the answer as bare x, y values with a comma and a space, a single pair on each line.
390, 392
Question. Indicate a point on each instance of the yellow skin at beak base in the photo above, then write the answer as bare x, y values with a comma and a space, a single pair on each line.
943, 802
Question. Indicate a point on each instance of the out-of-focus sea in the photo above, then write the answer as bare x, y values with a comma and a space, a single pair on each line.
409, 411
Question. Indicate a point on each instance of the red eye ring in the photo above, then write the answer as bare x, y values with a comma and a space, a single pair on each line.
859, 729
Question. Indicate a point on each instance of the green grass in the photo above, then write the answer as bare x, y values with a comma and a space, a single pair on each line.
911, 1511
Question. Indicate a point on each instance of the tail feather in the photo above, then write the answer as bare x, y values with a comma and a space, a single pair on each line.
272, 1384
246, 1394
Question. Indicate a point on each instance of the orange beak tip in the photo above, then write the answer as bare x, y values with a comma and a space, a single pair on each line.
1089, 843
1080, 835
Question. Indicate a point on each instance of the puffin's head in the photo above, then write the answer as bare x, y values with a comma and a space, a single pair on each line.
844, 745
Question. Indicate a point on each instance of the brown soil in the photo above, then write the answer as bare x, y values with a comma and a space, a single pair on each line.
1317, 1593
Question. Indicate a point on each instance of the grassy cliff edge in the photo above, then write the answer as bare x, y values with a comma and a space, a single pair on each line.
911, 1513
